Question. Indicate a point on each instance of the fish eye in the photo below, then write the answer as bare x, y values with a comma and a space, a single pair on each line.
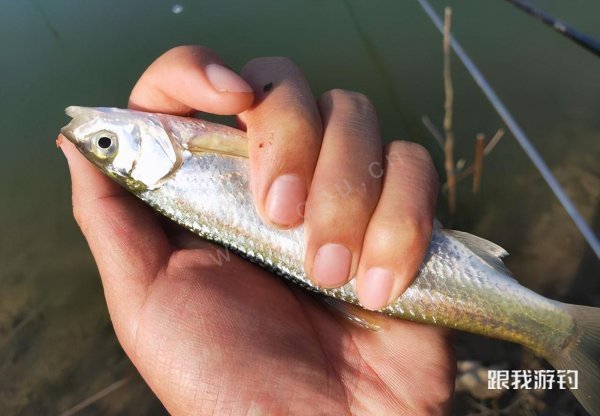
103, 144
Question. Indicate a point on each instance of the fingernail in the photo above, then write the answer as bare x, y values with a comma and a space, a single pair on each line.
376, 288
286, 195
331, 267
225, 80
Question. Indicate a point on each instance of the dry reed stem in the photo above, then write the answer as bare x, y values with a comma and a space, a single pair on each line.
97, 396
495, 139
433, 130
26, 321
478, 164
448, 109
486, 151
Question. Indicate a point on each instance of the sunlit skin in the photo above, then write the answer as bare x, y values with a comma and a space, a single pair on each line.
212, 339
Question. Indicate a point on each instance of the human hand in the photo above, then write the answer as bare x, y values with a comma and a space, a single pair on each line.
231, 338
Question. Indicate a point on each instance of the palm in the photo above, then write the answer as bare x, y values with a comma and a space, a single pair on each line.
211, 338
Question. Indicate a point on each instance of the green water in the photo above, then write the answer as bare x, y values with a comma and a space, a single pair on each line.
56, 341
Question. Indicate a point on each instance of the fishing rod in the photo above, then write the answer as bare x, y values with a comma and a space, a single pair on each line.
582, 39
517, 132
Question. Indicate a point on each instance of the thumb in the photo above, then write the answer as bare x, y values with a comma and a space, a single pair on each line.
191, 78
125, 237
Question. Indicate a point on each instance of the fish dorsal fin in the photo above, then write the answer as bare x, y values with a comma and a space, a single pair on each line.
489, 252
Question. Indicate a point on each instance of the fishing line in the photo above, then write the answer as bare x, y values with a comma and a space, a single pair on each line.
519, 134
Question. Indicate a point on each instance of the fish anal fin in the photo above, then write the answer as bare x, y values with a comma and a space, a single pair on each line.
355, 314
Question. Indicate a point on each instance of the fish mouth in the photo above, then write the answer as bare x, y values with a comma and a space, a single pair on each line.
67, 132
77, 114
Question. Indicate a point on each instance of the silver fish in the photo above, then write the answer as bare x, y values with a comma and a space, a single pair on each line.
196, 173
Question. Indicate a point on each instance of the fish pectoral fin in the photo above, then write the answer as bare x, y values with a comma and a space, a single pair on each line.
215, 143
355, 314
489, 252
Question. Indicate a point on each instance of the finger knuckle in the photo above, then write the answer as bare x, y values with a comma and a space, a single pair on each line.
388, 231
188, 50
339, 214
399, 153
176, 50
354, 101
345, 192
351, 114
297, 129
408, 148
266, 61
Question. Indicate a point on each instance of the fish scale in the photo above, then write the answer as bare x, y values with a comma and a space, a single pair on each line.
212, 198
196, 173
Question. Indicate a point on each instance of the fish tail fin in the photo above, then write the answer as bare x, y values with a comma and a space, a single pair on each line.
583, 355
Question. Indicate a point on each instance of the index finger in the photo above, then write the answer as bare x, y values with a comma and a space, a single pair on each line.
193, 78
